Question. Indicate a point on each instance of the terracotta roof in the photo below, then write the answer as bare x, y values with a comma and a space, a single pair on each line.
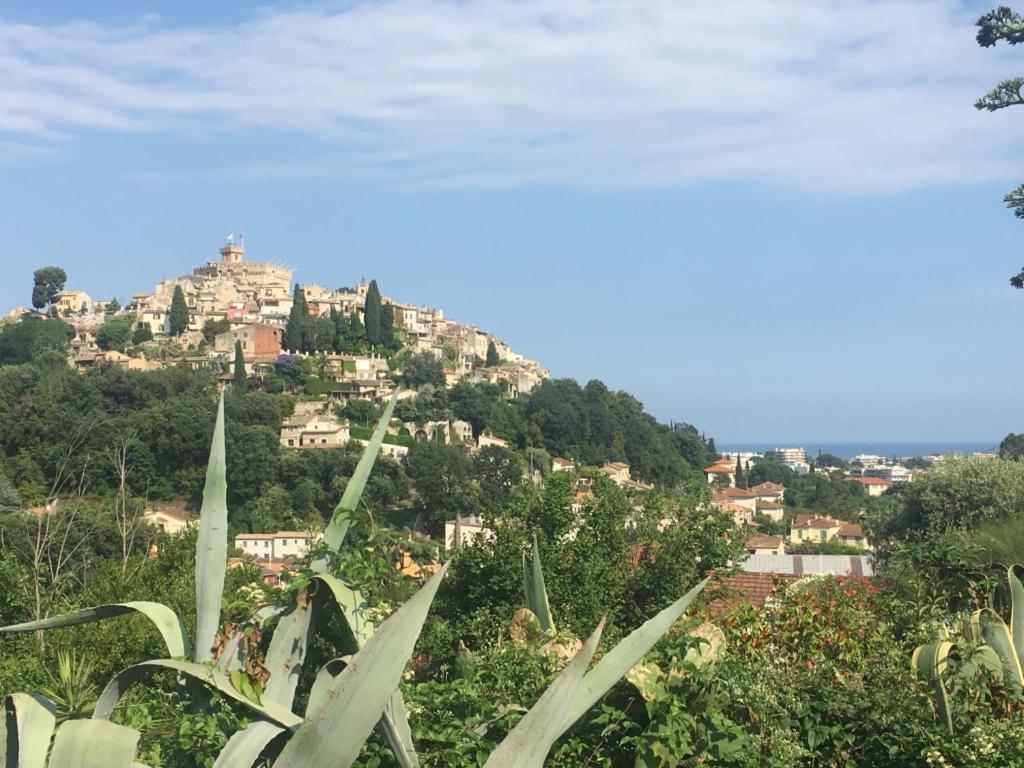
817, 522
768, 487
761, 504
737, 493
721, 467
762, 541
615, 466
752, 589
563, 462
851, 529
869, 480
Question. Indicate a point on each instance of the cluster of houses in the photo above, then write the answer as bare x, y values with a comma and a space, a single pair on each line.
768, 499
256, 298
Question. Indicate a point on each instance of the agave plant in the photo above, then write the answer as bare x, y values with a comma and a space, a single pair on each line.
996, 648
350, 696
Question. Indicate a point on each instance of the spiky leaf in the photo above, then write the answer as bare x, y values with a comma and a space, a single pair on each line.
996, 634
357, 697
536, 593
618, 661
171, 628
245, 746
212, 544
32, 718
1016, 612
931, 661
528, 744
207, 676
338, 527
94, 744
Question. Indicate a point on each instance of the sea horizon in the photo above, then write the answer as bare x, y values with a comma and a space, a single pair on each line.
847, 450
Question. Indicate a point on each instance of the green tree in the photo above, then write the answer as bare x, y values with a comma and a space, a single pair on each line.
9, 499
142, 334
442, 476
24, 341
1012, 446
741, 479
1003, 24
372, 314
113, 306
492, 358
177, 319
47, 282
387, 326
423, 368
213, 328
115, 333
241, 381
296, 331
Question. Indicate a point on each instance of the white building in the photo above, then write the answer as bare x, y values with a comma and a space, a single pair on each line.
276, 546
791, 457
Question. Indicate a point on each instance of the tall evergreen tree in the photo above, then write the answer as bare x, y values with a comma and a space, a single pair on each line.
356, 334
47, 282
240, 380
741, 479
295, 332
372, 313
387, 326
178, 317
492, 355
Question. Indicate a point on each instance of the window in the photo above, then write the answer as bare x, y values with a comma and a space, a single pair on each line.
266, 544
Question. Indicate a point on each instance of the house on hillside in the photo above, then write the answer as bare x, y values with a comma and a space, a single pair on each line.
773, 510
873, 486
276, 546
316, 430
759, 544
817, 529
721, 471
618, 472
169, 517
563, 465
464, 530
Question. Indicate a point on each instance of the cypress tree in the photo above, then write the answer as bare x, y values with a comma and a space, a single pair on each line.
295, 333
492, 355
740, 478
178, 317
387, 326
240, 380
372, 312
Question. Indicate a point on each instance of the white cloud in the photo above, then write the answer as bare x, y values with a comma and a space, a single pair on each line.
845, 95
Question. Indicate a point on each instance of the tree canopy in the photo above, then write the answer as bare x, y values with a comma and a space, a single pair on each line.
47, 282
177, 319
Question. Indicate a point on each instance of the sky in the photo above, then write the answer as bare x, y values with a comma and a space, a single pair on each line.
776, 220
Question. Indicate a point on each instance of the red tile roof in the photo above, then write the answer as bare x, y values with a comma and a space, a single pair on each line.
721, 467
768, 487
870, 480
737, 493
762, 541
754, 589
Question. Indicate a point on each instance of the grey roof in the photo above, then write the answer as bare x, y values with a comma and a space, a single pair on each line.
800, 565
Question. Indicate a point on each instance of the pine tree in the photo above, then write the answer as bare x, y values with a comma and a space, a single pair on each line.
372, 313
295, 332
241, 381
178, 317
740, 477
356, 334
492, 355
387, 326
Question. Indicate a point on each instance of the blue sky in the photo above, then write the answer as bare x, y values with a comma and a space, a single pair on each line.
777, 222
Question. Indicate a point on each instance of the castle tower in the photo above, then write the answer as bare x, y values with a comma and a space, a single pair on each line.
232, 253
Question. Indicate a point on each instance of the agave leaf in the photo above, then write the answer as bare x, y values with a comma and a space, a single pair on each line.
536, 593
212, 544
245, 746
94, 744
528, 744
931, 661
268, 710
328, 672
1017, 612
230, 657
618, 661
33, 717
172, 630
352, 704
394, 721
996, 634
985, 658
287, 651
338, 527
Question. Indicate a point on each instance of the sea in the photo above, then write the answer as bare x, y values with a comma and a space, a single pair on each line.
849, 450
